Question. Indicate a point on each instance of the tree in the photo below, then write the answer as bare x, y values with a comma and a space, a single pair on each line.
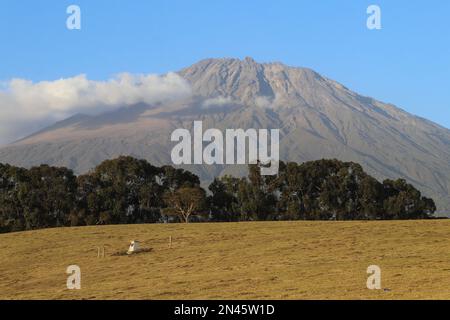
173, 179
122, 190
221, 201
229, 199
332, 189
128, 190
403, 201
47, 196
11, 211
184, 202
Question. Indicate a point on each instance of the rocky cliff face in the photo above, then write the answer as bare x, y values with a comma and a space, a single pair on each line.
318, 118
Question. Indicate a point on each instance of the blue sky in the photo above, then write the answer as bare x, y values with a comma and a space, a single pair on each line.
406, 63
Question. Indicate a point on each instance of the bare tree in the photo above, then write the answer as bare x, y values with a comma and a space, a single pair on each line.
184, 202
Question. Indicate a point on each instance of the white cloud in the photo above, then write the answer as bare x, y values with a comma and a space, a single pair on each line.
26, 106
216, 102
263, 102
267, 102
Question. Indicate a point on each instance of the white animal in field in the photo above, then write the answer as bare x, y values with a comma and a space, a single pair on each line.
134, 247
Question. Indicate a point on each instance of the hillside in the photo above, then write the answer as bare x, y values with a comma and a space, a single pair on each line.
273, 260
318, 117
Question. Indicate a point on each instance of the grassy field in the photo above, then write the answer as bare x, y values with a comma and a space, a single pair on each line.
257, 260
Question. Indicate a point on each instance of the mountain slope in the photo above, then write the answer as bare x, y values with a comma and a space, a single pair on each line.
318, 118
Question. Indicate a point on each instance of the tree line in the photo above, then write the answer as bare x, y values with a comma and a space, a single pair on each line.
127, 190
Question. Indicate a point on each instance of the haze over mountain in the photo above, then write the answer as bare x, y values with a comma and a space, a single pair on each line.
318, 117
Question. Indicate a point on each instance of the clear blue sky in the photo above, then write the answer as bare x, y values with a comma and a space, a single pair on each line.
406, 63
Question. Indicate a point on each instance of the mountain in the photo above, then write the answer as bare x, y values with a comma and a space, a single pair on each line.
318, 117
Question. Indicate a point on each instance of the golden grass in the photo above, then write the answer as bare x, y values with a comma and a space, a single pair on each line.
257, 260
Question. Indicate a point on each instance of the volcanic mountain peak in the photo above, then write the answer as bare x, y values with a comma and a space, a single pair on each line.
318, 117
277, 85
247, 80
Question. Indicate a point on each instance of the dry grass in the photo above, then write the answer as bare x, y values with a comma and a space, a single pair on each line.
261, 260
